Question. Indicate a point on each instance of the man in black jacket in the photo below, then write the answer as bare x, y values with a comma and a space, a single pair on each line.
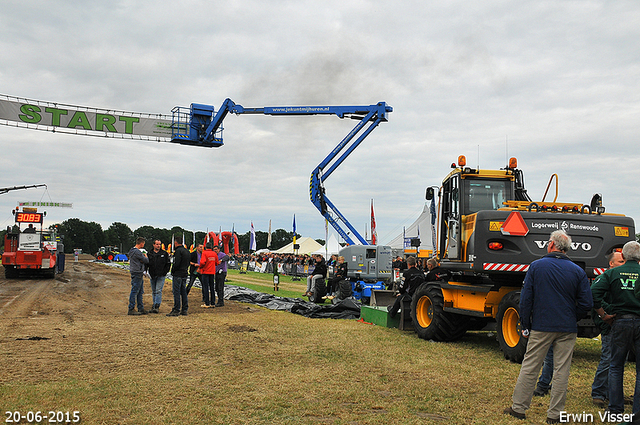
194, 268
412, 278
179, 272
319, 272
159, 266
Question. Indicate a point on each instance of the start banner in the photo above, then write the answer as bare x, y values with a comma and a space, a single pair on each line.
83, 120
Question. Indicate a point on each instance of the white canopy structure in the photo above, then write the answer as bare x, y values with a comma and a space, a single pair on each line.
331, 247
307, 246
421, 227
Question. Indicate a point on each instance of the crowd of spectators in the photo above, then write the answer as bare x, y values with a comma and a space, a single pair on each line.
288, 264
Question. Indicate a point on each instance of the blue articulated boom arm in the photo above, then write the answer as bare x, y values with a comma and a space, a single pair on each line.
202, 126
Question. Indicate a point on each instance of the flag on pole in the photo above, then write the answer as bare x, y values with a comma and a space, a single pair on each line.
294, 229
252, 239
269, 236
374, 234
220, 237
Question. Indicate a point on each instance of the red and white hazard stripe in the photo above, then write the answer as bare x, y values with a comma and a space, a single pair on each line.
505, 267
598, 271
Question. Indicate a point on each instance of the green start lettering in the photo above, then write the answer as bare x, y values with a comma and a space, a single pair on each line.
104, 120
31, 114
79, 119
128, 123
55, 115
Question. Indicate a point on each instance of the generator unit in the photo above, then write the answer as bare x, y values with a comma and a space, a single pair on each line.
369, 267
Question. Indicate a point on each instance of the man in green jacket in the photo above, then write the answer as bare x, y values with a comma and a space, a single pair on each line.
618, 286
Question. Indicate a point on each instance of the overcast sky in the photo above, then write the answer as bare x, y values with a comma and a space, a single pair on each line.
556, 84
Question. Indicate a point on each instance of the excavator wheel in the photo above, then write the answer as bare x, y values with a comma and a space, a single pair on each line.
430, 321
110, 256
509, 335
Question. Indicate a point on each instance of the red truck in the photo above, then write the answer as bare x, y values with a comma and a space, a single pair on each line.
28, 248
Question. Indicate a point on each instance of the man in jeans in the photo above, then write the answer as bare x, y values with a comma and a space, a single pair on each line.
159, 265
622, 288
179, 272
549, 315
221, 274
600, 386
137, 261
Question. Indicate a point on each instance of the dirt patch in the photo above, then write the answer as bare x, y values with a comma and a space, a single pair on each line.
242, 328
85, 289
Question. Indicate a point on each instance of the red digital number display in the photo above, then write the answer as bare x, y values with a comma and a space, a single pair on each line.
23, 217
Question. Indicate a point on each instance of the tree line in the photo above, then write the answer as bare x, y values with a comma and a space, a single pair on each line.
89, 236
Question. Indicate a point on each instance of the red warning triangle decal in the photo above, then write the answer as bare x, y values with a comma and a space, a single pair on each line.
514, 225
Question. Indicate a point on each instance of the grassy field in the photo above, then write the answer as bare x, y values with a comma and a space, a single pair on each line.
249, 365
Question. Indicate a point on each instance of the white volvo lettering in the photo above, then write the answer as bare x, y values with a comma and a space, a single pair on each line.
575, 246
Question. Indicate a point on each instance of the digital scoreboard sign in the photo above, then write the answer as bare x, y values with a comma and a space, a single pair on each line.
29, 217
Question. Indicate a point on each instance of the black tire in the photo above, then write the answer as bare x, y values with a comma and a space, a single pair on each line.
509, 335
429, 319
344, 289
319, 291
10, 272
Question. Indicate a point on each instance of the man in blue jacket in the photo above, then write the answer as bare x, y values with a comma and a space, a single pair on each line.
555, 294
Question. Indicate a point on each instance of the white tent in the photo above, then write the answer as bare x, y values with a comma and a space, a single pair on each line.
307, 246
421, 227
331, 247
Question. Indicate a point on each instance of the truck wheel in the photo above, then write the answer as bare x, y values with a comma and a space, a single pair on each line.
430, 320
10, 272
510, 338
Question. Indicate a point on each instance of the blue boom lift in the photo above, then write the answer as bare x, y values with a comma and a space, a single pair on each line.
201, 125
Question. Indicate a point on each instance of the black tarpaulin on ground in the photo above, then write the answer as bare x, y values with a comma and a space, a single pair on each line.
346, 309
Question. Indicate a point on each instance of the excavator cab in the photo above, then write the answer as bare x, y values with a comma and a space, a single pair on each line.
465, 192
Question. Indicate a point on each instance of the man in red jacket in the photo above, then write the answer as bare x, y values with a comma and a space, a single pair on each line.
208, 262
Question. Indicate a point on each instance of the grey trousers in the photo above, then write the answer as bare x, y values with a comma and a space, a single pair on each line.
537, 347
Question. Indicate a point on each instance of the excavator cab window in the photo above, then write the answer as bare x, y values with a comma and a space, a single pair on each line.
485, 194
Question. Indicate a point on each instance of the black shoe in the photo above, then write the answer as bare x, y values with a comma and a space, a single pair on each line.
220, 305
510, 411
599, 402
133, 313
173, 313
143, 311
184, 313
540, 392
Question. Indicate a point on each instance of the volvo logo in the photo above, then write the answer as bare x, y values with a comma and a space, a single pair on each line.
575, 246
